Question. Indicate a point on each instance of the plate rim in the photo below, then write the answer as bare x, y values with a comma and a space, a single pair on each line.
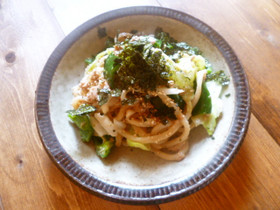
160, 193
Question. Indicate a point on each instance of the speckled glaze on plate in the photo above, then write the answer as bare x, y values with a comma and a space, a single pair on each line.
134, 176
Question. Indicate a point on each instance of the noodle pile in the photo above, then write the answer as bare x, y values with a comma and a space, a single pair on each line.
136, 123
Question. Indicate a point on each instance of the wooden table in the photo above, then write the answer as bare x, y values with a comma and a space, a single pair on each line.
29, 32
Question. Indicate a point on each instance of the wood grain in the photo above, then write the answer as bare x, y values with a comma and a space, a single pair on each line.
28, 35
30, 30
277, 2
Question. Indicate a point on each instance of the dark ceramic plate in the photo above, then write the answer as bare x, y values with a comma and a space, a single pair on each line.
134, 176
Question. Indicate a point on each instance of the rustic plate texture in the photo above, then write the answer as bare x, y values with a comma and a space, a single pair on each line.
134, 176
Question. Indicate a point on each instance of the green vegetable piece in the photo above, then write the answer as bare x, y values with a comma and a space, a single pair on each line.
207, 120
158, 43
83, 109
81, 119
103, 146
208, 66
86, 134
145, 147
111, 66
89, 60
199, 62
83, 123
210, 124
183, 78
204, 104
97, 59
169, 46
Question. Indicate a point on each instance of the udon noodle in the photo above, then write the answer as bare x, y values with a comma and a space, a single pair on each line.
137, 123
